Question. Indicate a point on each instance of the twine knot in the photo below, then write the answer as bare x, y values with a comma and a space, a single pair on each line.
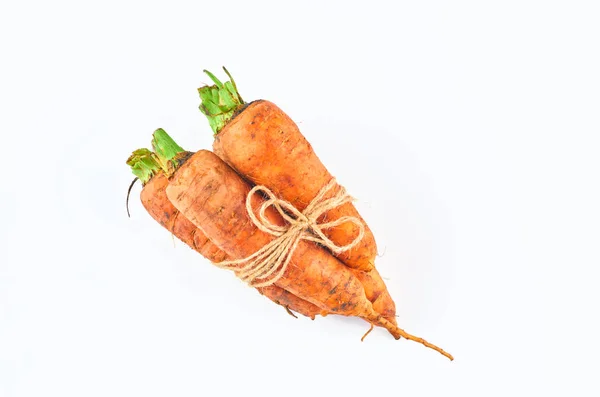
268, 264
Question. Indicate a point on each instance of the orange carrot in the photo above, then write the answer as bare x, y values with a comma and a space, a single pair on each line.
155, 201
265, 146
213, 197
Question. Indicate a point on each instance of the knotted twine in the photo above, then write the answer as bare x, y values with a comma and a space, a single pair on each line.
268, 264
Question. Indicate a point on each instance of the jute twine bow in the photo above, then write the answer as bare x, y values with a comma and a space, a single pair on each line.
269, 263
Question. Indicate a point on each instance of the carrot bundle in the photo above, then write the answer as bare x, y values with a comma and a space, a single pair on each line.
264, 206
214, 198
264, 145
261, 134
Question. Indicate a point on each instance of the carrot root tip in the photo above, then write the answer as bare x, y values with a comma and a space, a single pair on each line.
367, 333
287, 309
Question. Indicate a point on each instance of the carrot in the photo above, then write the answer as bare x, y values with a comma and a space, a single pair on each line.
264, 145
263, 135
155, 201
213, 197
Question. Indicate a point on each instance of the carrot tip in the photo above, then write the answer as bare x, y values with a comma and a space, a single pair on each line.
287, 309
400, 333
367, 333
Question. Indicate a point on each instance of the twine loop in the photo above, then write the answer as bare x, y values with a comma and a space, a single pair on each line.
268, 264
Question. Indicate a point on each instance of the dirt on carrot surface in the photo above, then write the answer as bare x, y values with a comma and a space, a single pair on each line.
284, 246
213, 196
265, 146
263, 135
154, 199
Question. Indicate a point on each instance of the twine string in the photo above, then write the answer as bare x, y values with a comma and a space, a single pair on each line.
267, 265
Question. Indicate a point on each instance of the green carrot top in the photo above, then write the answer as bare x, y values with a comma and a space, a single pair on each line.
145, 163
220, 101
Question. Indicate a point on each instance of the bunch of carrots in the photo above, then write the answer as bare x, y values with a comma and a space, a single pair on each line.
264, 206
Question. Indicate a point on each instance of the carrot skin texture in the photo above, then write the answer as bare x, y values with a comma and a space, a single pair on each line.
212, 196
155, 201
377, 293
265, 145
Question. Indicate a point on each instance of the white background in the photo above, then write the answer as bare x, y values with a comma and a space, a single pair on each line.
468, 130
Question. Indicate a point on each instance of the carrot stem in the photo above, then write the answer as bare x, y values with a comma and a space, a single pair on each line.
166, 156
165, 147
219, 101
144, 164
168, 153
